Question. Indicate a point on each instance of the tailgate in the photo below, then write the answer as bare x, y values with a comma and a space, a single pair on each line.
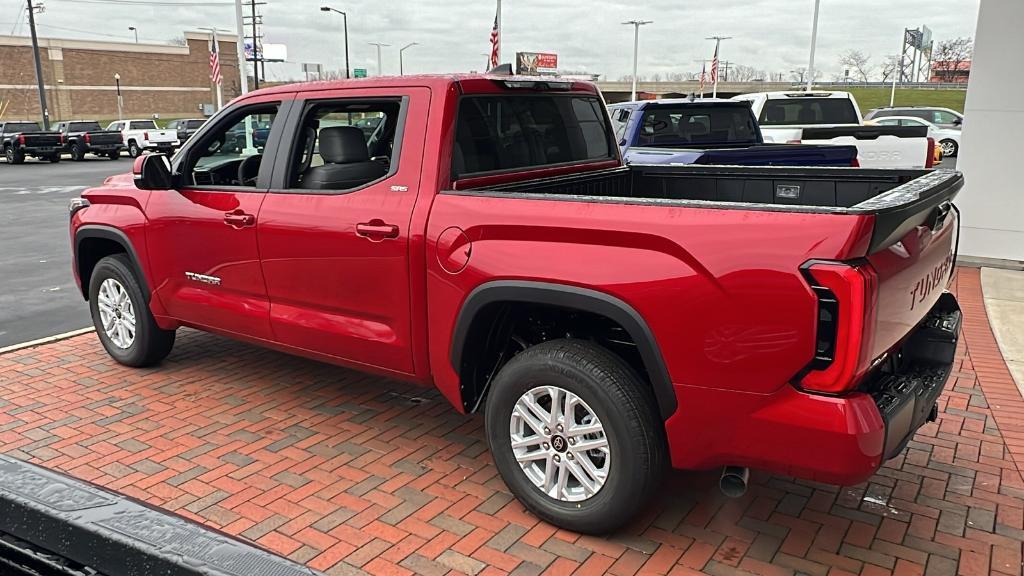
42, 140
913, 252
101, 138
162, 136
877, 146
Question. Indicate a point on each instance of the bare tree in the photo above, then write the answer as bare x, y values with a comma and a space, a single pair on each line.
888, 67
656, 77
800, 74
178, 41
744, 73
858, 63
950, 57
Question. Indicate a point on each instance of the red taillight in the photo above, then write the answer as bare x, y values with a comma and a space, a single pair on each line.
21, 139
88, 139
60, 139
855, 162
929, 160
145, 135
847, 299
792, 141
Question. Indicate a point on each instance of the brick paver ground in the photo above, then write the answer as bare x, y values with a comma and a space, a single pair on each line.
350, 473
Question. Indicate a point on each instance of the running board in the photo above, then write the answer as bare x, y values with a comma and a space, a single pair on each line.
53, 524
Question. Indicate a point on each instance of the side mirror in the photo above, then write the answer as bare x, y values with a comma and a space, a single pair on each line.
958, 122
153, 172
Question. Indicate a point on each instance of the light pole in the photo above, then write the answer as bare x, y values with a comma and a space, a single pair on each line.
814, 42
380, 69
117, 82
636, 24
401, 64
39, 67
344, 17
136, 30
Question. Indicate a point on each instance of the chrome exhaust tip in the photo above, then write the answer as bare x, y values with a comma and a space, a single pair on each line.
733, 482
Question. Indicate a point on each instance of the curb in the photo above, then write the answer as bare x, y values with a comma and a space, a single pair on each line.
47, 340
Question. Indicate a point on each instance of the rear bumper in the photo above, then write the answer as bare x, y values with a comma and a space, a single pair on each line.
103, 148
836, 440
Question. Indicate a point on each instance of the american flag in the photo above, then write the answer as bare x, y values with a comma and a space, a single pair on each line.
714, 66
496, 38
215, 62
703, 76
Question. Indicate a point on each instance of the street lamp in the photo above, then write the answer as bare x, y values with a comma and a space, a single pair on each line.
117, 82
401, 66
636, 24
380, 68
344, 17
136, 30
814, 42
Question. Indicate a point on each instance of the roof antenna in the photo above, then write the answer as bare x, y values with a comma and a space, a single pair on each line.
501, 70
692, 96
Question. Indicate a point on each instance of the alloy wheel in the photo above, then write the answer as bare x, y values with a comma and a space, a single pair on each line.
117, 315
560, 443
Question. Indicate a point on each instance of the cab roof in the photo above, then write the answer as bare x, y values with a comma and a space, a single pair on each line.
467, 83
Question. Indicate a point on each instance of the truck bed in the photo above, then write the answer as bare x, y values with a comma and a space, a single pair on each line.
899, 199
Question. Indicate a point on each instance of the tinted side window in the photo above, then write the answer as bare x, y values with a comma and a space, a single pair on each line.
804, 110
943, 117
496, 133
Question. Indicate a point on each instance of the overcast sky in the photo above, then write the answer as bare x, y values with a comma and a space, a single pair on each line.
772, 35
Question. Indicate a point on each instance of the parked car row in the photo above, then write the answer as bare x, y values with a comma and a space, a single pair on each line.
78, 138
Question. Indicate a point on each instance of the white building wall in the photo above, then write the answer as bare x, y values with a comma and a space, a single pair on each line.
992, 202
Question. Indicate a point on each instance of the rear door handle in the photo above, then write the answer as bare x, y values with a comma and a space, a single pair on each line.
238, 219
376, 230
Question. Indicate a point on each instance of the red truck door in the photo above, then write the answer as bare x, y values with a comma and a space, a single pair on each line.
334, 234
202, 237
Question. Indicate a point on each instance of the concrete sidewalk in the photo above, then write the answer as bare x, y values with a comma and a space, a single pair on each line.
1004, 302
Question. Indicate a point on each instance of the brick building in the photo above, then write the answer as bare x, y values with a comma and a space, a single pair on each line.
172, 81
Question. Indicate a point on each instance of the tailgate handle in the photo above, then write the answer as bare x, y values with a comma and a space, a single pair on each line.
938, 215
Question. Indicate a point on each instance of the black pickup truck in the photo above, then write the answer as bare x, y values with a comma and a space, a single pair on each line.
20, 139
83, 137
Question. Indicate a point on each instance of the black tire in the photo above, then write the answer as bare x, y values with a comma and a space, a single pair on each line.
133, 149
14, 156
621, 401
951, 144
114, 155
151, 343
53, 158
77, 153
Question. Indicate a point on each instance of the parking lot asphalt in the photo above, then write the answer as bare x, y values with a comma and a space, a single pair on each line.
354, 474
38, 296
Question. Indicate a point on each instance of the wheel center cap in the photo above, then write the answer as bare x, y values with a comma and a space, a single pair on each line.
117, 313
559, 443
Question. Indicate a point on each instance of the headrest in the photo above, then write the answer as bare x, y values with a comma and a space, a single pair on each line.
342, 145
775, 114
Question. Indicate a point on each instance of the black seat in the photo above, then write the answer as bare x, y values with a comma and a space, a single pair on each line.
347, 162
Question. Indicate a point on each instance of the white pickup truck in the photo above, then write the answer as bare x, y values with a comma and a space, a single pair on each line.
834, 118
140, 135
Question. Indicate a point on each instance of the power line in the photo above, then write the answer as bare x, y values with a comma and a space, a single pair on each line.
148, 3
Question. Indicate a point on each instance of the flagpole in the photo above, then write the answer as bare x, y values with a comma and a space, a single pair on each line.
714, 63
499, 32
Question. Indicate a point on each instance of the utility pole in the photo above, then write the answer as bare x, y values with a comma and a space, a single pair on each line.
636, 24
380, 69
898, 71
39, 67
814, 42
240, 47
255, 56
718, 43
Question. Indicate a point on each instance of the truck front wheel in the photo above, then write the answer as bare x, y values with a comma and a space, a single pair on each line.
133, 149
121, 315
77, 153
575, 435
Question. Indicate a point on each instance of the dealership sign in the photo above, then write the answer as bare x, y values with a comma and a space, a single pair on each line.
534, 63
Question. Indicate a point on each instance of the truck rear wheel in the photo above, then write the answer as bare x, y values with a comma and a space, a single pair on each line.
121, 315
133, 149
54, 158
14, 156
77, 153
114, 155
574, 434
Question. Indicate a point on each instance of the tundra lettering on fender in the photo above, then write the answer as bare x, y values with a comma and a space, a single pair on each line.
481, 235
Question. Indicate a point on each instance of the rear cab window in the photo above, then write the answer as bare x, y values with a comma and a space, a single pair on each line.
143, 125
805, 110
84, 127
12, 127
701, 124
522, 131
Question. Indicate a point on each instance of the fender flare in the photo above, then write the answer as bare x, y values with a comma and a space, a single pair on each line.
578, 298
110, 233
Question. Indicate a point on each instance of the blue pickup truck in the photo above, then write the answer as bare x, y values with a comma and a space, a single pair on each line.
709, 131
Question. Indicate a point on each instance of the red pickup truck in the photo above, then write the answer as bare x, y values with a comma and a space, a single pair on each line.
486, 239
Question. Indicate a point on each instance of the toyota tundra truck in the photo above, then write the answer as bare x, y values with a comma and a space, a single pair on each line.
487, 240
20, 139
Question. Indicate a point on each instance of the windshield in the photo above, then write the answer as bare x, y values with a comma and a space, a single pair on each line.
697, 125
803, 111
12, 127
84, 127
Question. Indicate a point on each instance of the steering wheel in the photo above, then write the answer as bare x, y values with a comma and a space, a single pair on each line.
249, 170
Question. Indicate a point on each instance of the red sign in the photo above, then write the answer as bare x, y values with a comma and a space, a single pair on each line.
534, 63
